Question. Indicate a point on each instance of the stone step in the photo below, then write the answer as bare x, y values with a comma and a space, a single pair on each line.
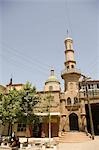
73, 137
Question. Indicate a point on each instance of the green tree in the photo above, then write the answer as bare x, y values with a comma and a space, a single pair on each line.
28, 99
9, 108
18, 106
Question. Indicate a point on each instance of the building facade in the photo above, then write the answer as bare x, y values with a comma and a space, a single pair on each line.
68, 110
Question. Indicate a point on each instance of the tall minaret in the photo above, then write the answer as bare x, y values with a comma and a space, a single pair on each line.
69, 54
70, 74
70, 102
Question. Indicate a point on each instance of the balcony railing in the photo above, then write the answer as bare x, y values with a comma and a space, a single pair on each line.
72, 70
72, 106
91, 94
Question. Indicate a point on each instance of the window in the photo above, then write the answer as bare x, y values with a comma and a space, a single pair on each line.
71, 85
69, 46
50, 88
98, 86
67, 67
68, 101
72, 66
75, 100
89, 86
92, 87
21, 127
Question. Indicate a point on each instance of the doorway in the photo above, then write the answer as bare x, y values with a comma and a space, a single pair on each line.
73, 121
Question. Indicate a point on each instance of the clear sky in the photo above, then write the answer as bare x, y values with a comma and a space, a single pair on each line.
32, 34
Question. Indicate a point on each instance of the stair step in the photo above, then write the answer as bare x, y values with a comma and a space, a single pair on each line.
73, 137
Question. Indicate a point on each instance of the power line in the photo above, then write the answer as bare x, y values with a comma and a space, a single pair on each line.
20, 65
26, 58
27, 61
42, 67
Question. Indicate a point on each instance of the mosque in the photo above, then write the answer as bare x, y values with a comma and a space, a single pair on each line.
69, 110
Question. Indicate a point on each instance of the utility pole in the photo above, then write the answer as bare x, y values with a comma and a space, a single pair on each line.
49, 121
89, 107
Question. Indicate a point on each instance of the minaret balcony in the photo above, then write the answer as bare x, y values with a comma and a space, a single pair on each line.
68, 71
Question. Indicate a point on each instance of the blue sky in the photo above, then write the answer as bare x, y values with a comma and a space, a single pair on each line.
32, 34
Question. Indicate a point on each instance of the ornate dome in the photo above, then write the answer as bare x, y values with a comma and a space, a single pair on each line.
52, 83
52, 78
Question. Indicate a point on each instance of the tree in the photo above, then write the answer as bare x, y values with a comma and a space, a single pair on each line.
9, 108
18, 106
28, 99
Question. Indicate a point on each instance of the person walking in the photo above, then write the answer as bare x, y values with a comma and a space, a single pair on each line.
13, 136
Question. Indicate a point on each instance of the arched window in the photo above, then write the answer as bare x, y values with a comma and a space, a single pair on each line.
68, 101
72, 66
71, 85
69, 46
50, 88
67, 67
75, 100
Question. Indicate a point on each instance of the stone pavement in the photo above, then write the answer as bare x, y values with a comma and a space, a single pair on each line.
76, 145
86, 145
71, 137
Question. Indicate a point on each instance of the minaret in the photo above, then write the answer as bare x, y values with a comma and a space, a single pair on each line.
69, 54
70, 100
70, 74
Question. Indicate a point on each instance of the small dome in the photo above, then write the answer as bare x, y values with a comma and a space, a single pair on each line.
52, 78
52, 83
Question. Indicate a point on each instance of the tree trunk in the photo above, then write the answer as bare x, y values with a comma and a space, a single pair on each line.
10, 129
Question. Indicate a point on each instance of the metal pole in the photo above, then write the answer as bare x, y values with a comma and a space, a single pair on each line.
90, 112
49, 126
49, 121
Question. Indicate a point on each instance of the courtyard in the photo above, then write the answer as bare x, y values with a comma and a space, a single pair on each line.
79, 145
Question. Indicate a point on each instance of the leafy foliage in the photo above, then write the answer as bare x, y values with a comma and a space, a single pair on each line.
17, 105
28, 99
10, 106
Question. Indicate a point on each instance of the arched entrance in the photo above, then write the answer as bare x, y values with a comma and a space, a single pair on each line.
73, 121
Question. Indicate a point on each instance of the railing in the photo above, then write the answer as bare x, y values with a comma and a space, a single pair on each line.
75, 70
72, 106
91, 94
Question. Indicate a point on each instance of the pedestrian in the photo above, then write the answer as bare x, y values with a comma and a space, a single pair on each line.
13, 136
16, 142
